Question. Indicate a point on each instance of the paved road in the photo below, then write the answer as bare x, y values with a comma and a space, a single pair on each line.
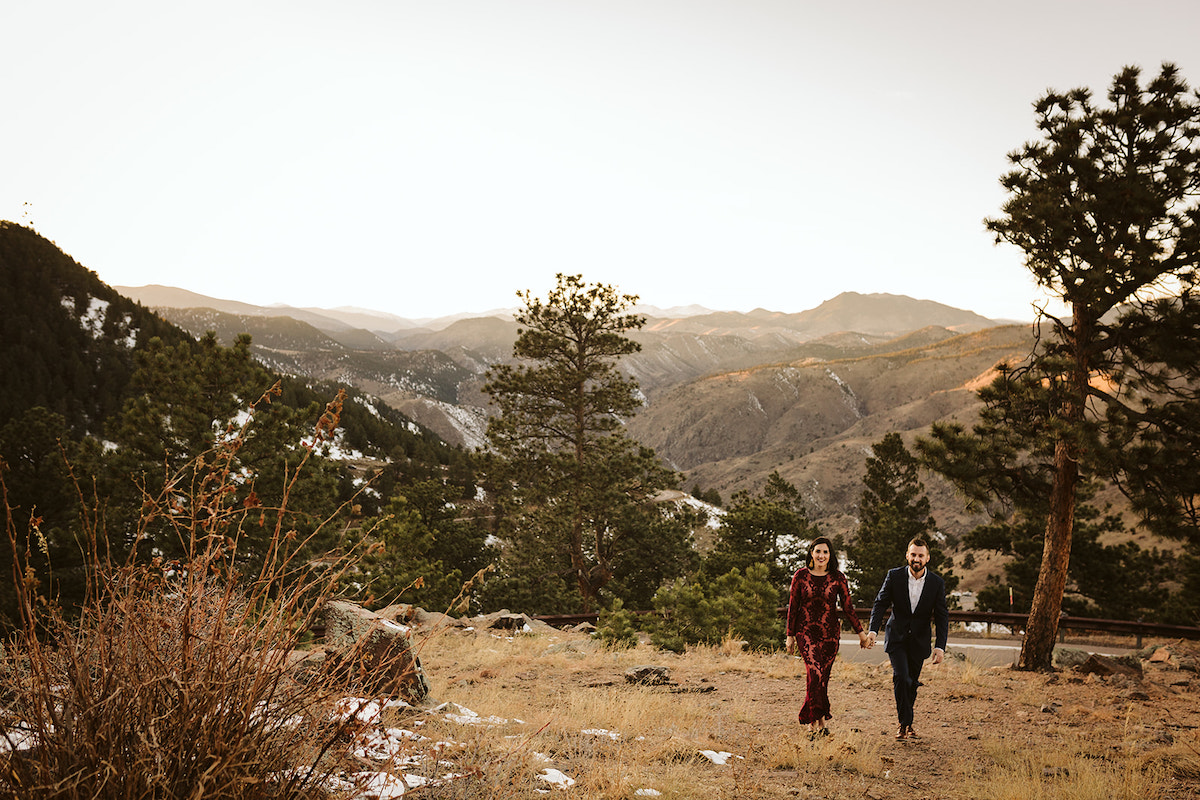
981, 652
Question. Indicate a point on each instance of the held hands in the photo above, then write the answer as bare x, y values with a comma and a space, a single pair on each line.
864, 641
869, 641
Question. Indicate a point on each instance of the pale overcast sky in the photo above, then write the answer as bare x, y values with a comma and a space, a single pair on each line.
434, 157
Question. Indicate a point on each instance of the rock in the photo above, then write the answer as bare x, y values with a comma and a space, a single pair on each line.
1068, 657
505, 620
574, 649
406, 614
398, 612
1160, 656
1104, 666
375, 653
648, 675
511, 622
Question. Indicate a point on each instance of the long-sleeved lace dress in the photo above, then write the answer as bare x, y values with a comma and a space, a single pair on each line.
813, 619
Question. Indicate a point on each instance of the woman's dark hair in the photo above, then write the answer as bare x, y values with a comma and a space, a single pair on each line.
833, 562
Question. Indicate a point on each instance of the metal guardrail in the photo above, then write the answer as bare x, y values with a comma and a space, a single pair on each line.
1016, 622
1135, 628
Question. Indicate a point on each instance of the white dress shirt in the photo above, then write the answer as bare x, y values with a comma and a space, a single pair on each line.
915, 587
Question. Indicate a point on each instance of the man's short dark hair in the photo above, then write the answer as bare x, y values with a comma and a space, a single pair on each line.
917, 541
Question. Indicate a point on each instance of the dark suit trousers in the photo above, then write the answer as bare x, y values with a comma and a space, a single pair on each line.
906, 674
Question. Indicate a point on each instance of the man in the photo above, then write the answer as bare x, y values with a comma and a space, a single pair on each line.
916, 596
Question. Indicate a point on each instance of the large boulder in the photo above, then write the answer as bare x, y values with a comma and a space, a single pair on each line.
375, 653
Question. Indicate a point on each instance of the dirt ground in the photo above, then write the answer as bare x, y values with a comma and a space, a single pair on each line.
985, 732
964, 716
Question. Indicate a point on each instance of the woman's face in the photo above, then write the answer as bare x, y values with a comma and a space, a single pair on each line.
820, 556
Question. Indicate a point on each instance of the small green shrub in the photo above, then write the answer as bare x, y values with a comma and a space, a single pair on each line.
617, 628
730, 606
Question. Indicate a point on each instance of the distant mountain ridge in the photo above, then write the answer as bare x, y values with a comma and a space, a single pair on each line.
730, 396
876, 314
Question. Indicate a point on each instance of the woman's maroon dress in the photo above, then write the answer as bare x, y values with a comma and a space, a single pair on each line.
813, 619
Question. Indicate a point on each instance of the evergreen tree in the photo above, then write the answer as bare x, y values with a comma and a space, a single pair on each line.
573, 491
35, 450
1104, 206
1114, 581
427, 552
893, 511
188, 403
738, 604
770, 528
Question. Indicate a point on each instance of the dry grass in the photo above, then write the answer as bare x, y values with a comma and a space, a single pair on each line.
1009, 773
565, 706
613, 738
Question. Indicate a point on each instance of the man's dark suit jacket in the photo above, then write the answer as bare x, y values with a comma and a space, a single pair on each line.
908, 628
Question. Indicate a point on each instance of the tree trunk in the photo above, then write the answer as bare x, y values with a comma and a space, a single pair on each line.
579, 563
1037, 648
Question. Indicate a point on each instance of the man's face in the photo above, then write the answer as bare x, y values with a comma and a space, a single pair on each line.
917, 558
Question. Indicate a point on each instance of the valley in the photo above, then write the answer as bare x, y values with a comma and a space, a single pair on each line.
729, 397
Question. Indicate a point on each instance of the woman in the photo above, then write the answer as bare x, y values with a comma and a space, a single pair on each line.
814, 630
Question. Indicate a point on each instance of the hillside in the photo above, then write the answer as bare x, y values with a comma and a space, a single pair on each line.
814, 420
68, 338
730, 396
70, 344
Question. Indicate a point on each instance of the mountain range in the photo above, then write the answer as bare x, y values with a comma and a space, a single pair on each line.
729, 396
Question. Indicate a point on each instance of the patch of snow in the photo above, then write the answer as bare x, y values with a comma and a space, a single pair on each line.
465, 716
17, 739
395, 626
386, 745
755, 405
363, 710
715, 757
601, 732
381, 785
556, 778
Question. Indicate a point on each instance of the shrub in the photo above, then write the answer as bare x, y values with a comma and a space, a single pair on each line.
730, 606
617, 628
175, 678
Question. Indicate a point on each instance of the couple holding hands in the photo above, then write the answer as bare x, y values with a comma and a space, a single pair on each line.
917, 600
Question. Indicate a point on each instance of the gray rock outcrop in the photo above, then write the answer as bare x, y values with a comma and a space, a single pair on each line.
374, 652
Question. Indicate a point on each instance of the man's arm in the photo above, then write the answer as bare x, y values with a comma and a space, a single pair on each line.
883, 599
941, 622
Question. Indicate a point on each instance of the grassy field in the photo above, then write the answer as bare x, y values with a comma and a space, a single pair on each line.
556, 704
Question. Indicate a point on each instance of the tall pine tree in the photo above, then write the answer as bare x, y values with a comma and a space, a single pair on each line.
1104, 206
573, 490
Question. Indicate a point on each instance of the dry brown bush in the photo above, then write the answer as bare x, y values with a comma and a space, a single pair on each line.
174, 681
